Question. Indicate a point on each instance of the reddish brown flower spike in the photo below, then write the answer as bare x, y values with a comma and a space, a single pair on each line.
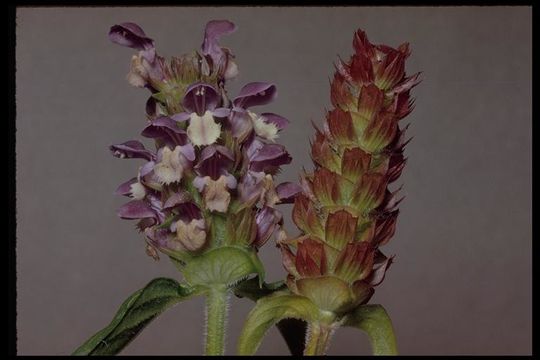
347, 210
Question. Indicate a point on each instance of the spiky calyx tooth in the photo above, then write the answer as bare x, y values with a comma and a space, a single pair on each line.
346, 210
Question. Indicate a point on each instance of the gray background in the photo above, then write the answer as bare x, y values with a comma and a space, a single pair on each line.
461, 283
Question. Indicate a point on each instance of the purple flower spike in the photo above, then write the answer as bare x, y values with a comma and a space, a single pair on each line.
131, 149
255, 93
131, 35
213, 155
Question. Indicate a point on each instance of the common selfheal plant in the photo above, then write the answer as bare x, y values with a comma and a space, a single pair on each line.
205, 196
346, 210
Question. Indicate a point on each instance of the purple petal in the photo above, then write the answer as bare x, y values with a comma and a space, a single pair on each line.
165, 128
125, 188
215, 29
211, 151
199, 183
175, 199
231, 181
151, 106
267, 220
254, 146
137, 209
269, 158
188, 151
131, 149
287, 191
275, 119
181, 117
188, 211
131, 35
240, 124
214, 161
146, 168
250, 186
156, 205
255, 93
200, 97
221, 112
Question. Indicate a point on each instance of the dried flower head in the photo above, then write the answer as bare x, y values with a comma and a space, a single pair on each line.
346, 210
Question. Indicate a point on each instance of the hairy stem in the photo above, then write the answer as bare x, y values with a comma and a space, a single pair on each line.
216, 316
318, 338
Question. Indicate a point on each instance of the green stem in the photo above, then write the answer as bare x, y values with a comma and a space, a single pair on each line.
216, 315
318, 338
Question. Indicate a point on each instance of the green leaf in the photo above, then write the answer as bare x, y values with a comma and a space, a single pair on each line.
292, 330
223, 266
134, 314
252, 289
269, 311
374, 320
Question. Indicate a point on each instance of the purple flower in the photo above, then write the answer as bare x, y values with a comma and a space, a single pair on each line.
131, 149
200, 102
149, 212
266, 157
243, 121
258, 187
255, 93
146, 66
171, 164
222, 59
131, 35
287, 191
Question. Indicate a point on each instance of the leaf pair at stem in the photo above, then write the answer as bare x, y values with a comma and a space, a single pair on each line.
283, 310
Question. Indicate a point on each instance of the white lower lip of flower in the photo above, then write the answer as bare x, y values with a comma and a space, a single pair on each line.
137, 191
262, 128
203, 130
192, 236
137, 74
231, 71
215, 193
170, 169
